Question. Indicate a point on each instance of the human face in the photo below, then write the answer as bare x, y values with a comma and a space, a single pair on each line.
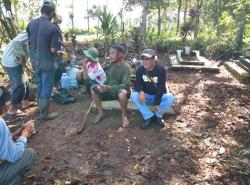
90, 60
115, 56
148, 63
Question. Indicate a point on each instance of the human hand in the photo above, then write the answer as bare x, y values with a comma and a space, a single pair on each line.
22, 60
157, 108
17, 134
105, 88
28, 129
142, 98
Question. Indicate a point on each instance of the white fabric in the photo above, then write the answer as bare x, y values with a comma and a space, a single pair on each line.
96, 72
17, 48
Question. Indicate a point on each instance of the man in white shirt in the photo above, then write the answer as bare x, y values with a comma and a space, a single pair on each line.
14, 57
92, 71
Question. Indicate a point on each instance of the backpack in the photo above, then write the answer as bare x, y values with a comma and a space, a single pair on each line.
63, 97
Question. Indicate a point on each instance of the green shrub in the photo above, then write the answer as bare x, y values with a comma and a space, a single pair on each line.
79, 31
221, 47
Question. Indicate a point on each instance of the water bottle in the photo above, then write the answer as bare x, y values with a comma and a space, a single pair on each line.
73, 83
65, 80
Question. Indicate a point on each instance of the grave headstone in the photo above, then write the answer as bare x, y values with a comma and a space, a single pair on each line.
247, 53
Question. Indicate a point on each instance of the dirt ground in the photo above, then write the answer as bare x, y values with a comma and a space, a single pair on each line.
206, 142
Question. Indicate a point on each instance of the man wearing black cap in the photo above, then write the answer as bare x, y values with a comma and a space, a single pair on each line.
150, 90
116, 86
15, 158
44, 37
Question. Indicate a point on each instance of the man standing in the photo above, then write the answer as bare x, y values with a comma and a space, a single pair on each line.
15, 158
15, 56
150, 89
116, 86
43, 38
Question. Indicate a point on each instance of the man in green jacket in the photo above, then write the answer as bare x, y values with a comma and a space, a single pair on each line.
116, 86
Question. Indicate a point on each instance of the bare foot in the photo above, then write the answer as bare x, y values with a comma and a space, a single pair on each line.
125, 122
120, 130
99, 117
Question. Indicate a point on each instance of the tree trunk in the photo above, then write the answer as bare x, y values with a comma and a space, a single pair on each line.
217, 14
88, 14
8, 26
178, 18
197, 21
159, 21
240, 34
185, 11
144, 16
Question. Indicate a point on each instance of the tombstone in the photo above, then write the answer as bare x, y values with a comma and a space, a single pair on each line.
247, 53
244, 61
241, 68
195, 62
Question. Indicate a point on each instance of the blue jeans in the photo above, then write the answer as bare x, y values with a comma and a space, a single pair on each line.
167, 101
45, 82
11, 173
19, 90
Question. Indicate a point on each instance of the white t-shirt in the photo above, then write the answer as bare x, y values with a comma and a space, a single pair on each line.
18, 47
96, 72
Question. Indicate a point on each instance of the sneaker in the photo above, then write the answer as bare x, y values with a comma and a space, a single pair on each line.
147, 123
49, 116
160, 122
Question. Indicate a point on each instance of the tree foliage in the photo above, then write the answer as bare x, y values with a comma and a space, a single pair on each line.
108, 27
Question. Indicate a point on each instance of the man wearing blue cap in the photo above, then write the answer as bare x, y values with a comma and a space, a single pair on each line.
15, 158
44, 39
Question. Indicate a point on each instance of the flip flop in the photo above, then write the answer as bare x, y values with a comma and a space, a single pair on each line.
18, 113
31, 104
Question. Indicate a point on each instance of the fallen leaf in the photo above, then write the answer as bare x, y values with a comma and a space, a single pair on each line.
110, 135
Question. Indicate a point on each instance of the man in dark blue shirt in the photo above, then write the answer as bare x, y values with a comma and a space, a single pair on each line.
43, 40
150, 90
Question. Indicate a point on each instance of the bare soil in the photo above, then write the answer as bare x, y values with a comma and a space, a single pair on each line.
206, 142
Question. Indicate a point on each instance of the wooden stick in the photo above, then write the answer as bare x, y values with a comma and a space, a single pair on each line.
82, 127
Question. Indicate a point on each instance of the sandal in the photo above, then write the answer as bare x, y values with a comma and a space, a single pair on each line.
31, 104
18, 112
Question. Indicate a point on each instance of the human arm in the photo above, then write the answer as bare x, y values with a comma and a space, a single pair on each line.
18, 50
55, 37
9, 150
161, 86
139, 85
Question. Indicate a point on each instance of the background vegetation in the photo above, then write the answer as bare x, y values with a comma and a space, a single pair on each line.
219, 27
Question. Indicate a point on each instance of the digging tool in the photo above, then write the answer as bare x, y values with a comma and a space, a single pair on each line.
74, 131
82, 127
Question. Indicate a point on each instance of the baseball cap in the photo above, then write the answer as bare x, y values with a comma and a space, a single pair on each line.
4, 95
49, 3
149, 53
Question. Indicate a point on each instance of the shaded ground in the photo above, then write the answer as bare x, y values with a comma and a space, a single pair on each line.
206, 142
